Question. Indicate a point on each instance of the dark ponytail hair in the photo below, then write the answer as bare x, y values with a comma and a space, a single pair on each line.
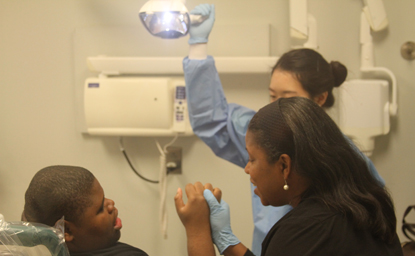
314, 73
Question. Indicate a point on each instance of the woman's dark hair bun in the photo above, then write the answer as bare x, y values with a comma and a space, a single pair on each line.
339, 72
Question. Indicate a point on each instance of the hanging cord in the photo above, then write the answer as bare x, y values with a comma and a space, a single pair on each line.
131, 165
163, 186
162, 180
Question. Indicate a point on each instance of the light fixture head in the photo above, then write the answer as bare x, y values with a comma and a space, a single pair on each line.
165, 18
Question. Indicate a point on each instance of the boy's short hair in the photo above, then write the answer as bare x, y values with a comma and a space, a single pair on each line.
56, 192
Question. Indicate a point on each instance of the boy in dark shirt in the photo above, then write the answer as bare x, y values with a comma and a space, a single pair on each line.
92, 226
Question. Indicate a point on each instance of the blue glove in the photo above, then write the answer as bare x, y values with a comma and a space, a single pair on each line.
199, 32
220, 222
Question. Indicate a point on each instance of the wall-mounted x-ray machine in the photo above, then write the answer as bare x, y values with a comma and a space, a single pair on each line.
136, 106
366, 105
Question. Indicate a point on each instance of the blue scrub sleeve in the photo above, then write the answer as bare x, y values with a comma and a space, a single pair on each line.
369, 163
373, 171
220, 125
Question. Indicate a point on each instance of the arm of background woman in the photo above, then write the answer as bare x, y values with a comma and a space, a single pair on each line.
221, 126
195, 218
373, 171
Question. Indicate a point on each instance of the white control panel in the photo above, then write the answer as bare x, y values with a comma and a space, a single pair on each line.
179, 109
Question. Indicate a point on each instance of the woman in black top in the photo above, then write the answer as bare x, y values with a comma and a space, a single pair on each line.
298, 156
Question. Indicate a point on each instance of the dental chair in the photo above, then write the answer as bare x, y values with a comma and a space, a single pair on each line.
31, 239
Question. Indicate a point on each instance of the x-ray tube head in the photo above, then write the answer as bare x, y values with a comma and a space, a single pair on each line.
165, 18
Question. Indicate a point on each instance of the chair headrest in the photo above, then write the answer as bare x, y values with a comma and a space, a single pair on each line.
18, 236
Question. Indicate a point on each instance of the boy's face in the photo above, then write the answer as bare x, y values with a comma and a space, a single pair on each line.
99, 226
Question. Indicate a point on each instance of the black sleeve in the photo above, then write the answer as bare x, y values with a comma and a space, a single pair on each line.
248, 253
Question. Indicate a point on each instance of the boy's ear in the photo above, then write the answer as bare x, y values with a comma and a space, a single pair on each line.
69, 227
23, 217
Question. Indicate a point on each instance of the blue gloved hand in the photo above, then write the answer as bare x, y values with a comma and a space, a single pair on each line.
199, 32
220, 222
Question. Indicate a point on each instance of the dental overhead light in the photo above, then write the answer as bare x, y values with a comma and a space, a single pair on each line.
166, 18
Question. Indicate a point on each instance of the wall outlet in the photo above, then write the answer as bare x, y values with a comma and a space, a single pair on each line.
174, 160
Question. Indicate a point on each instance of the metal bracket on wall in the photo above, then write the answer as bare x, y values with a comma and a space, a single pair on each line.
174, 160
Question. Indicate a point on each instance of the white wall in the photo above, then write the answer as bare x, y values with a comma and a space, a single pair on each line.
38, 111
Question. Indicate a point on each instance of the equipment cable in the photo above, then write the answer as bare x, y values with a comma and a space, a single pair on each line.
131, 165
